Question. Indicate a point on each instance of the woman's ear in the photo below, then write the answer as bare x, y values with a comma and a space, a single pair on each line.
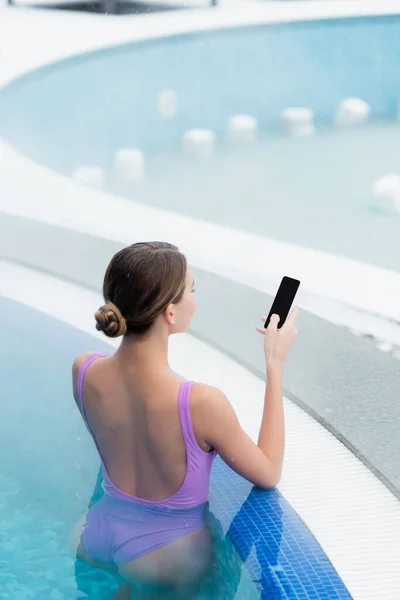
169, 314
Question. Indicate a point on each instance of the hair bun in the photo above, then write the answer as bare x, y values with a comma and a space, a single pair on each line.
110, 321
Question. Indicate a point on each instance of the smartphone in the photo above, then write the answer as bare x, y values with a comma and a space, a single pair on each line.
283, 300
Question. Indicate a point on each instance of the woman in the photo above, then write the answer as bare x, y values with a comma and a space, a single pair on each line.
158, 434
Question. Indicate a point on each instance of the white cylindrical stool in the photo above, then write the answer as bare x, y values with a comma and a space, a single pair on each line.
199, 143
385, 346
242, 129
298, 122
352, 112
90, 176
167, 104
129, 165
386, 191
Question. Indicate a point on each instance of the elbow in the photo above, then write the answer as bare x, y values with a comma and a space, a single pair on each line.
273, 484
277, 478
273, 480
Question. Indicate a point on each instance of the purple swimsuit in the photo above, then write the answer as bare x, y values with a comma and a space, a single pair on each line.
121, 527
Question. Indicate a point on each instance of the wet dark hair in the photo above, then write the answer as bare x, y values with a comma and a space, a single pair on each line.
140, 282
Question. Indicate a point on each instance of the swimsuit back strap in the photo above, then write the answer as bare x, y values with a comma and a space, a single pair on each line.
81, 374
186, 419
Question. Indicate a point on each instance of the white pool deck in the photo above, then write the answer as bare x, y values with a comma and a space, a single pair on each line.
354, 517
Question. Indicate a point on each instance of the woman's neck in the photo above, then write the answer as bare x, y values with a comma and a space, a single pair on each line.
148, 354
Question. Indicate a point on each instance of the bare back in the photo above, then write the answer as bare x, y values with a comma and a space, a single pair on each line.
135, 422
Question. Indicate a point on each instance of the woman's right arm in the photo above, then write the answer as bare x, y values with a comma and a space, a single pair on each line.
217, 423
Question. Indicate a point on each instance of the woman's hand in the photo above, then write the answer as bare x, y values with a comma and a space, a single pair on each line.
278, 342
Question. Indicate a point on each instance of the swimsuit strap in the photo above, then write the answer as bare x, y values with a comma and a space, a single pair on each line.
81, 374
186, 419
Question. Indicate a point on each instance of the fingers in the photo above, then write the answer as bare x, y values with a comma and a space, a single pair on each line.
274, 322
263, 330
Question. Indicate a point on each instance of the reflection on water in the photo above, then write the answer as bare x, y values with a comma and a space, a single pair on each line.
314, 192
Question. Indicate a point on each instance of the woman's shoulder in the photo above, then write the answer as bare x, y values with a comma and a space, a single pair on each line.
210, 411
205, 399
80, 359
203, 392
76, 365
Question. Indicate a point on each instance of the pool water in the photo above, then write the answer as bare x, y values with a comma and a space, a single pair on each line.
314, 192
50, 475
49, 470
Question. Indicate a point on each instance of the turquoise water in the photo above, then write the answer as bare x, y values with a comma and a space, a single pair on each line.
46, 473
49, 469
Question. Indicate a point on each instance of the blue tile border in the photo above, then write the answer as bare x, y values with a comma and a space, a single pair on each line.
283, 557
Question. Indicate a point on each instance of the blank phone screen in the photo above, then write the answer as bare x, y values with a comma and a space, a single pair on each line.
283, 300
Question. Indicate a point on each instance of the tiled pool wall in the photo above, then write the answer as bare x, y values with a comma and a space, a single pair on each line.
83, 109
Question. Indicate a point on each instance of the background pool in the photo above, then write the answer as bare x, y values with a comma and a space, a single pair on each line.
49, 471
315, 192
81, 110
